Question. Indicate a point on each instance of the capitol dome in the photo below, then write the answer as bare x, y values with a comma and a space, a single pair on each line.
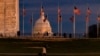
42, 25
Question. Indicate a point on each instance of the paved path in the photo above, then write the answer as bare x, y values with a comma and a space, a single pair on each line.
18, 53
50, 54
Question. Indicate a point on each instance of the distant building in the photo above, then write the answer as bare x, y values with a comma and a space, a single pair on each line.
93, 31
9, 17
42, 25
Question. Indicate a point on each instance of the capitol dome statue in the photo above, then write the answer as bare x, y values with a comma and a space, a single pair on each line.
42, 26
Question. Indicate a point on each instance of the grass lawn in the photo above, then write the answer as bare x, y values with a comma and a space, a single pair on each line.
74, 46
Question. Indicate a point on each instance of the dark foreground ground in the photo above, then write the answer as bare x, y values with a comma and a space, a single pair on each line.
68, 47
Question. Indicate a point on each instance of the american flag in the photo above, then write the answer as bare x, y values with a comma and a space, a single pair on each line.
98, 18
72, 19
76, 10
24, 11
88, 11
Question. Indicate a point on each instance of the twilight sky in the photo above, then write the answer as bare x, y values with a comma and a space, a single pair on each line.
50, 7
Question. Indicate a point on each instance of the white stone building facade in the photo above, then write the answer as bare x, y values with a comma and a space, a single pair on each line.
9, 17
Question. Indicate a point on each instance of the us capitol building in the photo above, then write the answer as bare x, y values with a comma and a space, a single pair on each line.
9, 17
42, 25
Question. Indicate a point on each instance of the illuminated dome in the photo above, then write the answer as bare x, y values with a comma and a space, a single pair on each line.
42, 25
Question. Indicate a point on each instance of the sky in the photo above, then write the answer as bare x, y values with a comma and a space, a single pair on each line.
66, 6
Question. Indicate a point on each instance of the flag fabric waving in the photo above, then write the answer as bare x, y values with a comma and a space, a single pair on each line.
98, 18
88, 11
72, 19
76, 10
59, 11
24, 11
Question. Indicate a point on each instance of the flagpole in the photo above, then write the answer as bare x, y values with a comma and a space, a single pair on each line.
58, 20
97, 28
87, 19
32, 24
76, 12
23, 17
61, 26
74, 26
74, 23
97, 25
58, 28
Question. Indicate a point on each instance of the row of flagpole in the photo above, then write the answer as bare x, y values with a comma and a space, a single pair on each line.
76, 11
74, 24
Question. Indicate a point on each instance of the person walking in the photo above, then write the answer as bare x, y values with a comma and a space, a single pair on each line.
44, 51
